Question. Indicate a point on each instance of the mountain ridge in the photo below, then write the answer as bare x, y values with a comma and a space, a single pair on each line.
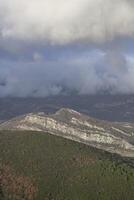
70, 124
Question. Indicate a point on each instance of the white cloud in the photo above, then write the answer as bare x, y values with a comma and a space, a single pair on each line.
61, 21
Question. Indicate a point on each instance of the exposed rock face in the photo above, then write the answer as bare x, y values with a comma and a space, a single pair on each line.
112, 137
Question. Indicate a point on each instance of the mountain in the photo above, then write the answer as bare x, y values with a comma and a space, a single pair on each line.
104, 107
109, 136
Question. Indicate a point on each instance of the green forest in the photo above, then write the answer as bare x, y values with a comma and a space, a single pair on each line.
40, 166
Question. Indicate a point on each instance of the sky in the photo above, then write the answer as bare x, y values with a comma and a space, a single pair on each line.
52, 47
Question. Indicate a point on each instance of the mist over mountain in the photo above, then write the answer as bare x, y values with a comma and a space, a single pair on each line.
67, 99
84, 73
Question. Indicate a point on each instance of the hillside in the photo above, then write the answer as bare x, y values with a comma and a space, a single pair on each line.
112, 137
65, 170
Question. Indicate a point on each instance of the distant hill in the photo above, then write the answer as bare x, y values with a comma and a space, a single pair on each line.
105, 107
109, 136
60, 169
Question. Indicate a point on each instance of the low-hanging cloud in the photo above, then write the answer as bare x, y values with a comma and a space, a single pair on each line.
111, 73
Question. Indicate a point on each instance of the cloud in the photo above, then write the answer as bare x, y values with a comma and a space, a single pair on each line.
39, 40
62, 22
87, 73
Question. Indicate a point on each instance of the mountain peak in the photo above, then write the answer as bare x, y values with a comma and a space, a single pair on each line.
67, 111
